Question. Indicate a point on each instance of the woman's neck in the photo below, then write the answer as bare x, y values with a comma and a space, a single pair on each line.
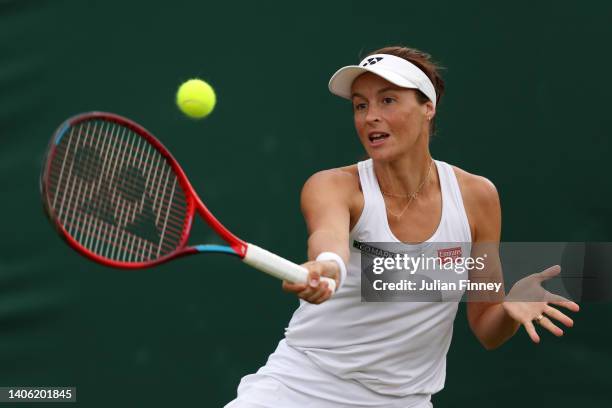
403, 176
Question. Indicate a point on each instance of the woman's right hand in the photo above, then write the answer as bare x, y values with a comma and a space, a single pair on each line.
315, 290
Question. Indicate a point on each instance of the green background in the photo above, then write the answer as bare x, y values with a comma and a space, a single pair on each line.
526, 106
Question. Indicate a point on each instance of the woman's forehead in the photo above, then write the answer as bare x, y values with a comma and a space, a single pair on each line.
372, 83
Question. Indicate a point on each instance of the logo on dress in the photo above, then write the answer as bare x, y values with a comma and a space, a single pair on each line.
449, 254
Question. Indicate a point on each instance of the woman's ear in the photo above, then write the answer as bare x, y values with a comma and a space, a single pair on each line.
430, 110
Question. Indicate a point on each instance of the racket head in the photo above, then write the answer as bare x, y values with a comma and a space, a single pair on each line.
115, 193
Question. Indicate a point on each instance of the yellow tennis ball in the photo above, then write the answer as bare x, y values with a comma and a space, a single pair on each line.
195, 98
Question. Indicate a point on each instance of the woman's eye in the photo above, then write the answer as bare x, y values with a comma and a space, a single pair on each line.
360, 106
388, 100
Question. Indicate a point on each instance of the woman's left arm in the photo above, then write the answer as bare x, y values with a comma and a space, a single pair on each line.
491, 317
489, 321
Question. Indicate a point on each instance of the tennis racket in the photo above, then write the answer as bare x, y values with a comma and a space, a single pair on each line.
117, 196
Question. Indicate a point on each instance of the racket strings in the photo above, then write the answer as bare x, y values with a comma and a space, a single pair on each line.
121, 217
126, 184
115, 194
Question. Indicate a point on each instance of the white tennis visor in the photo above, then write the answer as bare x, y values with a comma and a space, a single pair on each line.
394, 69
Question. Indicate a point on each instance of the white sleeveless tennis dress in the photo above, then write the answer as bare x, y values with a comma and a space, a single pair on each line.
349, 353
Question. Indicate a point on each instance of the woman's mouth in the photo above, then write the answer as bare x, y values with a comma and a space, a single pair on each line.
377, 138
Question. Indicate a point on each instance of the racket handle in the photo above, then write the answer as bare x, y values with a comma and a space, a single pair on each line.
279, 267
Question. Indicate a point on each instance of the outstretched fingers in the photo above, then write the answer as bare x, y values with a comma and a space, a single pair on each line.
531, 331
563, 302
558, 315
550, 326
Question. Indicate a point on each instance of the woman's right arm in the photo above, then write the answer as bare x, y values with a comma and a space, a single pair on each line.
325, 205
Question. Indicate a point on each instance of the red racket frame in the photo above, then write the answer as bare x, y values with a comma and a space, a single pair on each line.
194, 203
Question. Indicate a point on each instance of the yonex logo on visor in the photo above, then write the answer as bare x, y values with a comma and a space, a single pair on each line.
371, 61
394, 69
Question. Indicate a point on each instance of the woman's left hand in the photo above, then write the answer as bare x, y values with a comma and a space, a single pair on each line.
528, 303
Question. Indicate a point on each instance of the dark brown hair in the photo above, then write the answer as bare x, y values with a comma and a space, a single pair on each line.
424, 62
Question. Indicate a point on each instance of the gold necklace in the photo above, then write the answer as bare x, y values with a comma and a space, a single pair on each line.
411, 197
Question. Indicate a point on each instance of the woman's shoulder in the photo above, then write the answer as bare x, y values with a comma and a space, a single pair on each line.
345, 178
475, 187
481, 202
339, 184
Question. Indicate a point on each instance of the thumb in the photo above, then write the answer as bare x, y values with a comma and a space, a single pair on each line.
550, 272
313, 278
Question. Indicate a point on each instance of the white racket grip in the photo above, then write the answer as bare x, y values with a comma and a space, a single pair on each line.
279, 267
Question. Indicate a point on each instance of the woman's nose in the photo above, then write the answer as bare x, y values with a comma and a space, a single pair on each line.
373, 114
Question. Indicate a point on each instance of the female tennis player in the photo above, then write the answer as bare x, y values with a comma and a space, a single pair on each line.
339, 351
